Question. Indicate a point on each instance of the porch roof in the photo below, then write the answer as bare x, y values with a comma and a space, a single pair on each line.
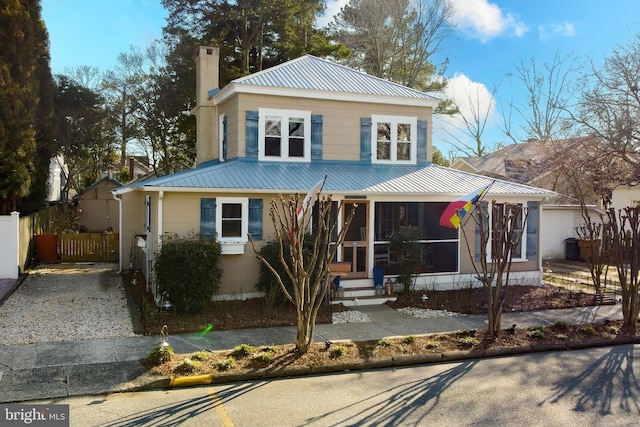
343, 177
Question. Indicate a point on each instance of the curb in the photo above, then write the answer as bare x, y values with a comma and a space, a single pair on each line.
223, 378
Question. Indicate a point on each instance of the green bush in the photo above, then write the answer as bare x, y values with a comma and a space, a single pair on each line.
160, 354
267, 282
243, 350
188, 269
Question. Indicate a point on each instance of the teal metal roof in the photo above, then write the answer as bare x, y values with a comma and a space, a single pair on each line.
343, 177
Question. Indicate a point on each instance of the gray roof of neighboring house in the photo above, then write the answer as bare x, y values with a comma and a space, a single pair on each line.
311, 73
342, 177
500, 162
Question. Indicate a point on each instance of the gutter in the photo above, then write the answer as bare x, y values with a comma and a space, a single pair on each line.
115, 196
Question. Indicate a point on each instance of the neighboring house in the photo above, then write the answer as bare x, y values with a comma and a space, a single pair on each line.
625, 195
279, 131
138, 167
58, 171
99, 211
528, 163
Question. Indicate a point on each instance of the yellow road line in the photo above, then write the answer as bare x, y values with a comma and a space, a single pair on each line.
222, 413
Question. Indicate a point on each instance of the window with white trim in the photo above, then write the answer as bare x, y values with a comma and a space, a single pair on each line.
232, 219
284, 135
394, 139
519, 250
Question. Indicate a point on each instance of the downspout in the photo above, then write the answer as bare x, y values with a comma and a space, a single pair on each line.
115, 196
160, 204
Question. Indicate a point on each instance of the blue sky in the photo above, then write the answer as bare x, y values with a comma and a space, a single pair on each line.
491, 36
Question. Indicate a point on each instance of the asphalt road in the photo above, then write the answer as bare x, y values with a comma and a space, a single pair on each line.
592, 387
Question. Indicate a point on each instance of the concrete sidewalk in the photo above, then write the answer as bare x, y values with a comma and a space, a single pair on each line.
61, 369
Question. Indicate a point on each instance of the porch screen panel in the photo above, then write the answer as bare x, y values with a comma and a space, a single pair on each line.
440, 244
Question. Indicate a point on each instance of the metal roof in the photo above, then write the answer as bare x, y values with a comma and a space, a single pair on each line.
312, 73
344, 177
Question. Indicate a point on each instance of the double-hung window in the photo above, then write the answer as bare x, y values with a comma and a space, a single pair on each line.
284, 135
518, 252
393, 139
232, 219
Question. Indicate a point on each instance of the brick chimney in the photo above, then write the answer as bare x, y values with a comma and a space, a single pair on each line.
207, 78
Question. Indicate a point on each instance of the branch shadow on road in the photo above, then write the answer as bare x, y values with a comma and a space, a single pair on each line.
607, 379
180, 412
402, 399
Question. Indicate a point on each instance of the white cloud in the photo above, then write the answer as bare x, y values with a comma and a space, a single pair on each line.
473, 99
333, 8
484, 20
565, 29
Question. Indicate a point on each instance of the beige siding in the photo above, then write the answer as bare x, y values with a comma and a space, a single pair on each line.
132, 223
341, 121
624, 196
99, 209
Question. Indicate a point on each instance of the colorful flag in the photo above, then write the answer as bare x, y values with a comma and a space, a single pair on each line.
455, 212
310, 198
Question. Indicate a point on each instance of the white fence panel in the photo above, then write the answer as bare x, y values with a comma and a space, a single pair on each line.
9, 246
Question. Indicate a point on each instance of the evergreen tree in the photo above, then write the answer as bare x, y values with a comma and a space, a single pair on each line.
26, 103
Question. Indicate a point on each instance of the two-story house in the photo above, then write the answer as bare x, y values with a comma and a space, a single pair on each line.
279, 131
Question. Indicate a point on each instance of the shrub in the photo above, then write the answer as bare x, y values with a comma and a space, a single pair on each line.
588, 329
243, 350
160, 354
468, 341
263, 357
384, 342
188, 366
409, 340
338, 351
432, 345
200, 356
536, 333
267, 282
188, 269
226, 364
561, 325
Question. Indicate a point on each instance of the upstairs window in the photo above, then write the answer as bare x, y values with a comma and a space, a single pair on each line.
284, 135
394, 139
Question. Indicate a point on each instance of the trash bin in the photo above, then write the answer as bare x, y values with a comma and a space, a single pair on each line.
571, 249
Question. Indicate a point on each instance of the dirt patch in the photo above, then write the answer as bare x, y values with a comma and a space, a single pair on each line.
435, 347
258, 313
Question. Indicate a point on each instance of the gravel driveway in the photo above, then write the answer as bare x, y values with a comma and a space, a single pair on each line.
66, 302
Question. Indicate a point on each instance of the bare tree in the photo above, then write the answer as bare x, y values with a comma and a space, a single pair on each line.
610, 105
550, 89
310, 275
500, 233
623, 231
470, 125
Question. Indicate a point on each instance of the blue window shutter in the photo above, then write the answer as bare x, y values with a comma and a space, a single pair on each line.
421, 140
255, 218
207, 218
224, 138
251, 137
532, 230
316, 137
365, 139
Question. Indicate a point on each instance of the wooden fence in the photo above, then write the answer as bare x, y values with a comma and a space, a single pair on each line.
96, 247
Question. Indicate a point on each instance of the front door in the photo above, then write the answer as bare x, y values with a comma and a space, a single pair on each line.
354, 247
